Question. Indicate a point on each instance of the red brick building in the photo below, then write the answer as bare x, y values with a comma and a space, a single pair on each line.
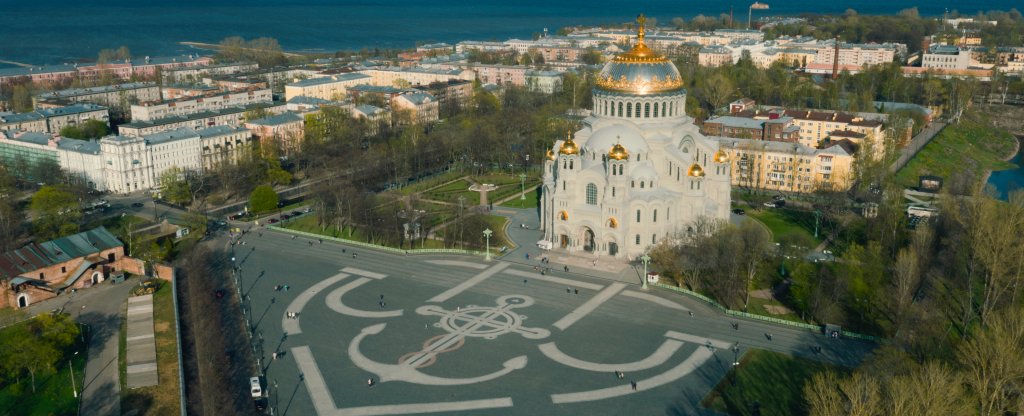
41, 271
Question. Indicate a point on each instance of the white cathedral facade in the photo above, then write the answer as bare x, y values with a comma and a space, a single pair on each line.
638, 170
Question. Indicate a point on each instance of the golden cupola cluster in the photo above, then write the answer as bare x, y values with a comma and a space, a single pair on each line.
569, 146
551, 154
618, 152
695, 171
641, 70
721, 157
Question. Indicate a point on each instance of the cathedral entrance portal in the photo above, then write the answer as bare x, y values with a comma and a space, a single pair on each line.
613, 248
588, 241
563, 241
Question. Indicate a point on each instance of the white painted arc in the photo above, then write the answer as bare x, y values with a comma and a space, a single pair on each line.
437, 407
695, 360
473, 281
334, 302
364, 273
407, 373
589, 306
658, 357
291, 326
557, 280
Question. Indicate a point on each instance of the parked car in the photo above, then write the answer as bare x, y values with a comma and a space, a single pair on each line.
285, 216
738, 211
769, 204
138, 205
296, 213
255, 388
272, 221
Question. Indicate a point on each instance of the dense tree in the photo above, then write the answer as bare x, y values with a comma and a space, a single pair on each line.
263, 199
21, 99
90, 129
56, 212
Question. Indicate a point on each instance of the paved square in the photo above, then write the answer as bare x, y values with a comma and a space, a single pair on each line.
446, 335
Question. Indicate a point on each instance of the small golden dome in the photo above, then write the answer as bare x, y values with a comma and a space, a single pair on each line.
551, 154
618, 152
696, 171
569, 146
721, 157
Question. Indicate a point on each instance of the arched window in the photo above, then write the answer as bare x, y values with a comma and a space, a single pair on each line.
613, 192
642, 184
620, 169
570, 165
637, 113
637, 215
654, 218
591, 194
629, 109
620, 108
638, 238
647, 110
655, 110
664, 106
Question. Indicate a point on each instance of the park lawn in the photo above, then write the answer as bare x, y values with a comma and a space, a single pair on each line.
162, 399
771, 380
53, 394
307, 223
757, 307
531, 200
431, 182
783, 222
972, 147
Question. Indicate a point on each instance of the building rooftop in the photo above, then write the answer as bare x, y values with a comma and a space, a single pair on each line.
277, 120
77, 108
170, 136
418, 98
44, 69
369, 110
30, 137
91, 147
9, 117
351, 76
219, 131
197, 116
736, 122
77, 92
380, 89
36, 256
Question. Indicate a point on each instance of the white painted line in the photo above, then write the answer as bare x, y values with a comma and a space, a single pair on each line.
141, 368
436, 407
470, 265
291, 326
136, 338
659, 357
142, 298
589, 306
695, 360
361, 272
323, 402
559, 280
473, 281
334, 302
697, 340
652, 298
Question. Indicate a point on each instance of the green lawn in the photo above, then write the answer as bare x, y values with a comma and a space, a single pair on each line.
431, 182
531, 200
307, 223
769, 380
971, 147
162, 399
784, 222
53, 395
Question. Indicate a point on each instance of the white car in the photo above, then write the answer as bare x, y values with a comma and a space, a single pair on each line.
255, 388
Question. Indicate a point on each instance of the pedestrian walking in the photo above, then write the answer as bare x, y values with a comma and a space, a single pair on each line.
736, 326
524, 282
567, 269
369, 382
353, 255
691, 313
633, 383
576, 291
568, 290
767, 335
527, 256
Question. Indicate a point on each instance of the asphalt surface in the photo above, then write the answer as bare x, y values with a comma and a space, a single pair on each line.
337, 343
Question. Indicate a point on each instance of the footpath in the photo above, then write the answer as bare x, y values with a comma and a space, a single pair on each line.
140, 362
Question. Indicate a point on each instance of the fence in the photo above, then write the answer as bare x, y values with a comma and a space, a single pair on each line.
382, 248
916, 144
177, 333
727, 311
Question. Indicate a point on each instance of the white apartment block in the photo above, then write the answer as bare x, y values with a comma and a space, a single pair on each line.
127, 164
84, 158
197, 73
51, 120
223, 144
856, 54
544, 81
422, 106
234, 117
387, 76
946, 57
120, 95
326, 88
180, 148
187, 106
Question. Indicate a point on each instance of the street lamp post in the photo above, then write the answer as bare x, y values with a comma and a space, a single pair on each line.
646, 259
74, 389
522, 182
487, 237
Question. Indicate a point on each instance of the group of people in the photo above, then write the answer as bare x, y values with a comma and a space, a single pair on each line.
292, 315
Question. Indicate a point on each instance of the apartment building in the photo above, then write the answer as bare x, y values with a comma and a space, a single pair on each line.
946, 57
788, 167
151, 111
233, 116
119, 96
197, 73
326, 88
223, 144
283, 130
421, 107
393, 76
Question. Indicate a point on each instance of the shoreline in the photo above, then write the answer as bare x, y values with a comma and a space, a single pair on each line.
1016, 150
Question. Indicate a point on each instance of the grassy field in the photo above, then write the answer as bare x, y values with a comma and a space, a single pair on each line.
785, 222
770, 381
53, 395
163, 398
308, 224
971, 148
531, 201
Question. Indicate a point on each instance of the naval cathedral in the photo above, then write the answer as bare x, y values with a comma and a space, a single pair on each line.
638, 170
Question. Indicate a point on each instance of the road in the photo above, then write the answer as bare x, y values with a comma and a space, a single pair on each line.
100, 309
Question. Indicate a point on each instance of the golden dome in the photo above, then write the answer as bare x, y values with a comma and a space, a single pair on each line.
569, 147
551, 154
721, 157
641, 70
618, 152
695, 171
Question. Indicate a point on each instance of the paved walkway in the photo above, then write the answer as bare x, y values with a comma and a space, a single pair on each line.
141, 343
